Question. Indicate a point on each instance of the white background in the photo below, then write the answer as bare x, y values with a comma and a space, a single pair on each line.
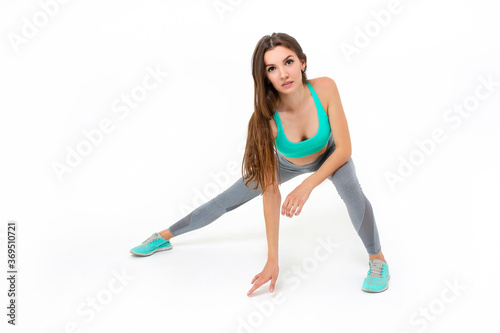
74, 234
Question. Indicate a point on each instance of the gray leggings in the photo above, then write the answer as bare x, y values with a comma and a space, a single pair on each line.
345, 181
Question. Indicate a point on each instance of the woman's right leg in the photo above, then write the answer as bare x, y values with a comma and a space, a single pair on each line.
233, 197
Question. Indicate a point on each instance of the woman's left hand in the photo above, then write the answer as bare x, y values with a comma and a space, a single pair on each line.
295, 200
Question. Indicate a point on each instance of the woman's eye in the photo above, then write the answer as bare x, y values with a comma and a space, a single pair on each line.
291, 61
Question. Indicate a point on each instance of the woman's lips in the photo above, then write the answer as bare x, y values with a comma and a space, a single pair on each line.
287, 84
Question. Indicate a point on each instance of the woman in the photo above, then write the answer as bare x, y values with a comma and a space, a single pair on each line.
298, 126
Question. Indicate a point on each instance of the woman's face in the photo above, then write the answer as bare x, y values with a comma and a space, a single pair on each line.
283, 65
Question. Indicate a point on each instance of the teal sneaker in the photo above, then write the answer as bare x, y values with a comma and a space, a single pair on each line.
151, 245
377, 278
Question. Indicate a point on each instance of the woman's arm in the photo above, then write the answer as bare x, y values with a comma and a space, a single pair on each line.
272, 202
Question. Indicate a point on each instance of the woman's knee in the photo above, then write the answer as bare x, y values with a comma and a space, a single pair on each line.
236, 195
344, 178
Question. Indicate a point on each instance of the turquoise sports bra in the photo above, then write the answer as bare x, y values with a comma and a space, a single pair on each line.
311, 145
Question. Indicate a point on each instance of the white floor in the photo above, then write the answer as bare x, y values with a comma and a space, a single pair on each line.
438, 235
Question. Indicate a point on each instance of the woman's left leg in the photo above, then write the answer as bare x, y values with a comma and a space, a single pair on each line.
359, 208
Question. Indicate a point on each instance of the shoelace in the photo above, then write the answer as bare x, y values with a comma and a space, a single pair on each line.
151, 239
376, 270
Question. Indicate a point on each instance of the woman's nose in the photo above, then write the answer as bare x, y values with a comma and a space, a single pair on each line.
284, 74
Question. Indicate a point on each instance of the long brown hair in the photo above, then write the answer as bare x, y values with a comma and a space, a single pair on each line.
260, 159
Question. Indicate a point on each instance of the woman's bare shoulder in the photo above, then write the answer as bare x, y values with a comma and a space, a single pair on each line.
323, 86
321, 83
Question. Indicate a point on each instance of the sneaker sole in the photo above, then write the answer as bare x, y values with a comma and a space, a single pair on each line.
378, 291
153, 252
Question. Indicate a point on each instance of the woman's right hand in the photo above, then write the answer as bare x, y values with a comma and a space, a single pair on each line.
270, 272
